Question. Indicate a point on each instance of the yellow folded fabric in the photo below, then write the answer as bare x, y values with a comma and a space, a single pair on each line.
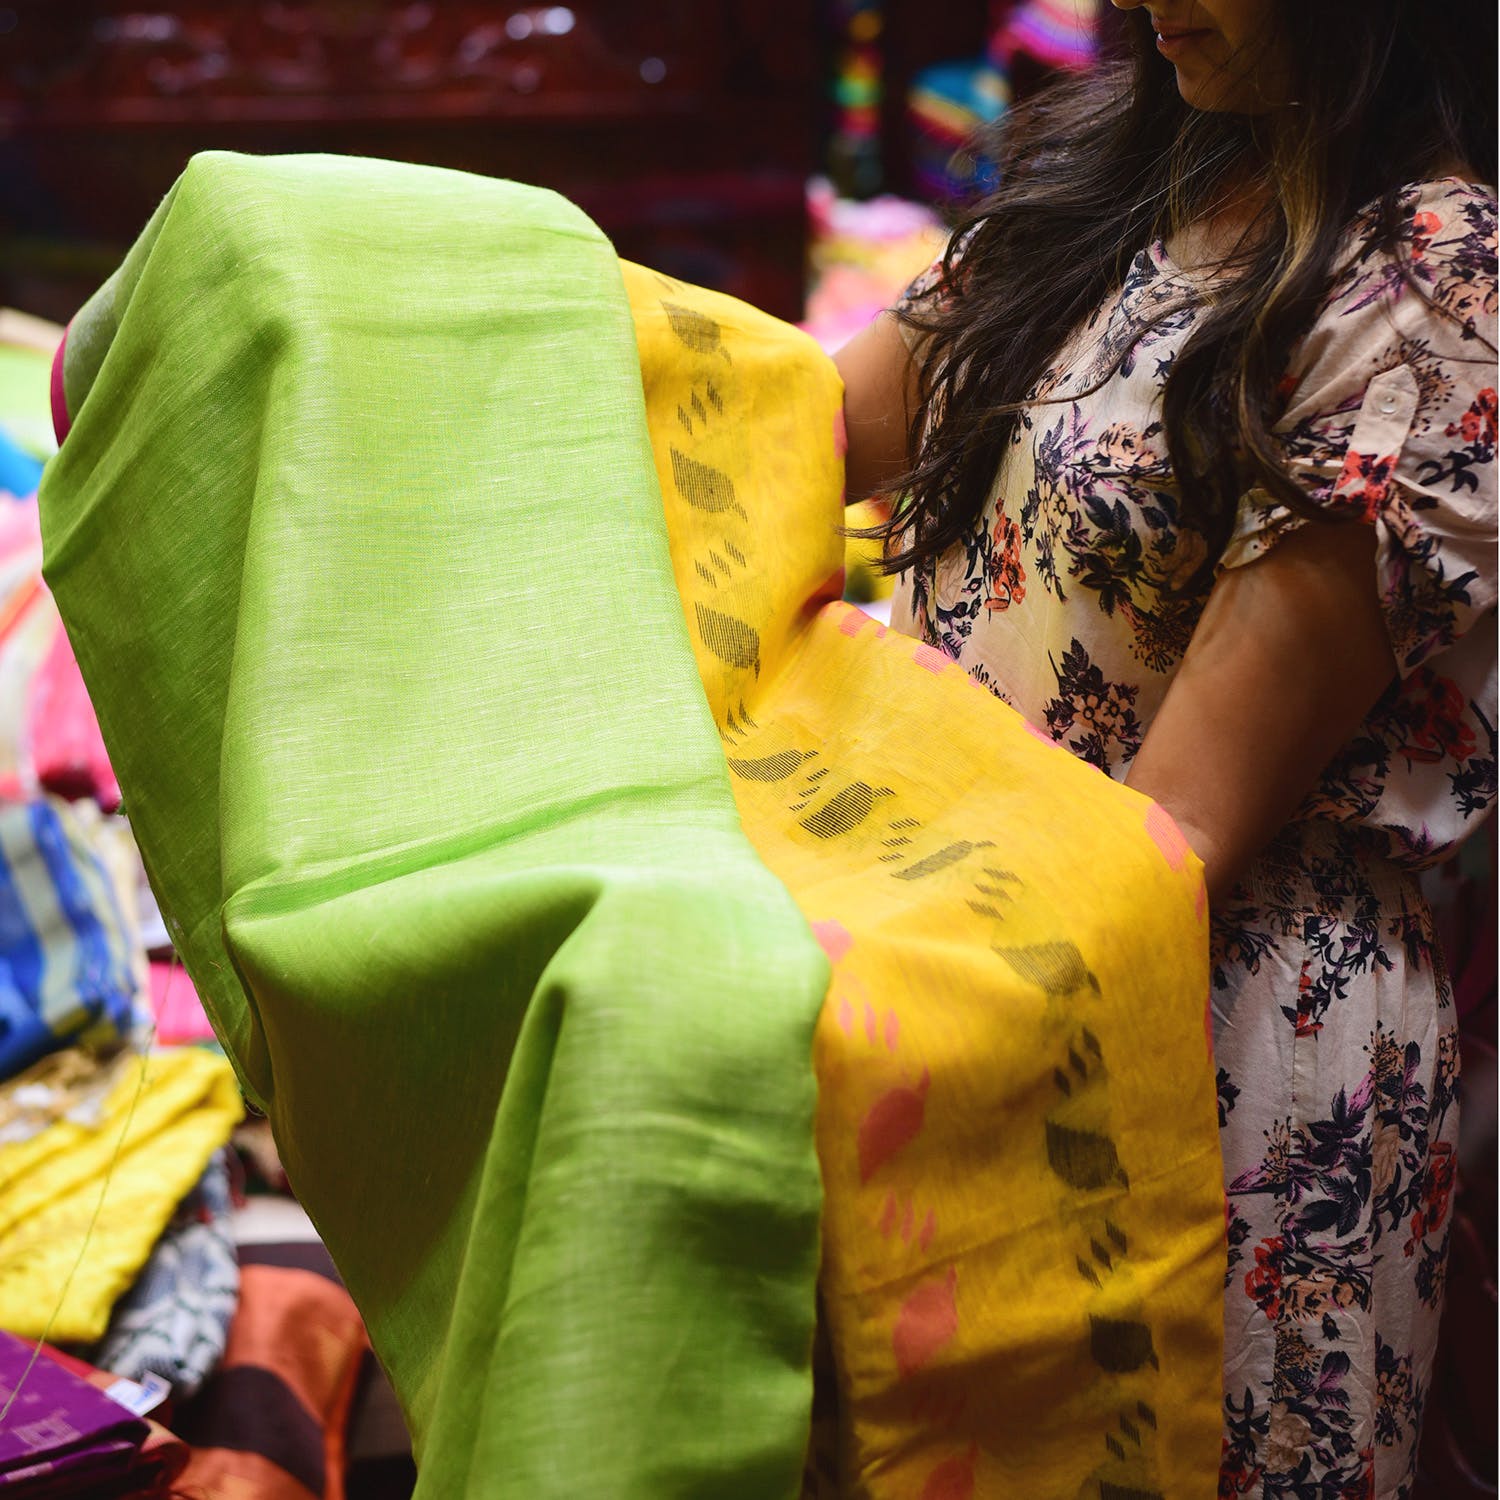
183, 1111
1023, 1244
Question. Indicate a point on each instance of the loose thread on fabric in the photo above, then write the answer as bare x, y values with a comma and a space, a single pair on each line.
109, 1173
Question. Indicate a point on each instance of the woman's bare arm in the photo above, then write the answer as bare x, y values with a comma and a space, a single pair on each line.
1289, 656
880, 393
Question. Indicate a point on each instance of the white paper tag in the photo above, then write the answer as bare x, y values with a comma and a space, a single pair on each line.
140, 1397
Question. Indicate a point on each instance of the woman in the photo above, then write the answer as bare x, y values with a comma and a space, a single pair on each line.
1195, 424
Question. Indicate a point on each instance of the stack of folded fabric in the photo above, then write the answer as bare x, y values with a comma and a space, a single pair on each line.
101, 1136
85, 1199
120, 1201
69, 1430
114, 1181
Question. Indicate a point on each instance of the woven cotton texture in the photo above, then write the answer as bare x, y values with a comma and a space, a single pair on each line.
1023, 1242
358, 540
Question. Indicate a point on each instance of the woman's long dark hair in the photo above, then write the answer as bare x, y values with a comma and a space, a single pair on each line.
1092, 171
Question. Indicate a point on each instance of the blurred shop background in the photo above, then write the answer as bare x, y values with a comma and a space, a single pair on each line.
689, 129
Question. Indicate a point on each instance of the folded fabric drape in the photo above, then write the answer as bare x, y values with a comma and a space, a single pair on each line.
74, 1432
174, 1321
513, 781
82, 1202
358, 541
1023, 1207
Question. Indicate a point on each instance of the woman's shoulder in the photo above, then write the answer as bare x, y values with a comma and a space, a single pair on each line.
1423, 286
1444, 198
1387, 411
1442, 246
941, 277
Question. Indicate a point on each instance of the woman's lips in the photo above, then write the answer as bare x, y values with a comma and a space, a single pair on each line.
1175, 43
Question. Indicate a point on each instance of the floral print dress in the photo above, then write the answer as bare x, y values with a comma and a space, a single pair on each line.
1335, 1043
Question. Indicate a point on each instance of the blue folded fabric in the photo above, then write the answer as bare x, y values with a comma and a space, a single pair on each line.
20, 473
65, 950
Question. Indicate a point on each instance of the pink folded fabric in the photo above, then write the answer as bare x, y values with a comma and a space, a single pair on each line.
67, 751
49, 736
176, 1008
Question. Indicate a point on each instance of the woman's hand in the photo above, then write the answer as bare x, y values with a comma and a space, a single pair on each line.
1289, 656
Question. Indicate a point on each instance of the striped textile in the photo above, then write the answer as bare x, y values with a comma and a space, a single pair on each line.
66, 970
271, 1420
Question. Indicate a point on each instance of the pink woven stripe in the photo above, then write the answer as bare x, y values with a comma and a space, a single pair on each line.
60, 420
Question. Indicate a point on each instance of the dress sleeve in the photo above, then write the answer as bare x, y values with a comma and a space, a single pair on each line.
927, 291
1390, 417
